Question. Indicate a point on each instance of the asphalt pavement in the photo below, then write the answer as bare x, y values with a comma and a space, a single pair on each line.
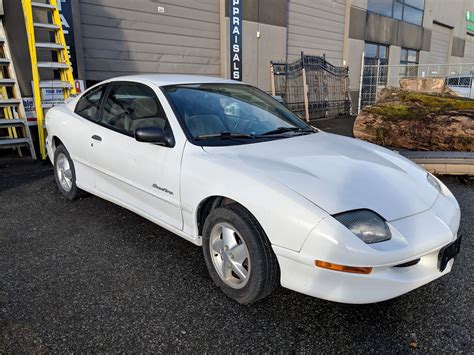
89, 276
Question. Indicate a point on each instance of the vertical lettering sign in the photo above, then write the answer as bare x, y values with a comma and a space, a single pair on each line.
235, 15
65, 12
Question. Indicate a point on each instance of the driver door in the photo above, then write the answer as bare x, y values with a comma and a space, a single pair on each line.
143, 177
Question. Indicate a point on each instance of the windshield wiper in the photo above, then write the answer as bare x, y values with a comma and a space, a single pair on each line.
280, 130
230, 135
225, 135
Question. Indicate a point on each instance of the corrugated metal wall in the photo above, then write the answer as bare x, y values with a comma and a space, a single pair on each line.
125, 37
469, 50
440, 37
316, 27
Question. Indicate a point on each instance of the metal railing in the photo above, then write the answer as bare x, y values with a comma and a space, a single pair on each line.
376, 77
312, 87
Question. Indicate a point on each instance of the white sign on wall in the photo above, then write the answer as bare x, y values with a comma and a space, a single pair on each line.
29, 104
51, 97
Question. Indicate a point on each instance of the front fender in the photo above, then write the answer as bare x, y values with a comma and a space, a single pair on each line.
286, 217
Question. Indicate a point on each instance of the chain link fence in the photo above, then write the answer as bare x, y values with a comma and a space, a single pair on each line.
375, 77
312, 87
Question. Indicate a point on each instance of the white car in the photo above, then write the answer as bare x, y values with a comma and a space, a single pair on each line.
270, 199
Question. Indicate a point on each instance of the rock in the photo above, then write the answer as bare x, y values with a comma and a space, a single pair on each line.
426, 85
418, 121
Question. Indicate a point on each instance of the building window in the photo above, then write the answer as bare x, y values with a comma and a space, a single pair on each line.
376, 58
373, 52
404, 10
382, 7
409, 58
375, 71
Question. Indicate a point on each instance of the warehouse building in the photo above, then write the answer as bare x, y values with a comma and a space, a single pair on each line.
117, 37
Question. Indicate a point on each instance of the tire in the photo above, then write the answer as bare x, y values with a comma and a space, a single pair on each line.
249, 252
65, 174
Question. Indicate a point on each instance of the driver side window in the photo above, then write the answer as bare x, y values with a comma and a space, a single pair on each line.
130, 106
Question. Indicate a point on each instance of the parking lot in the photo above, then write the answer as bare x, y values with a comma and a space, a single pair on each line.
91, 276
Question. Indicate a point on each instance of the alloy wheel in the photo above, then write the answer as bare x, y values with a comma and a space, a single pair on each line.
63, 171
230, 255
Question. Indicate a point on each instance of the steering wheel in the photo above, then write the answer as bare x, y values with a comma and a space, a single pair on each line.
249, 119
237, 124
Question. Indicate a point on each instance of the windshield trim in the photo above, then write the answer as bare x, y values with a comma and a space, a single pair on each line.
216, 141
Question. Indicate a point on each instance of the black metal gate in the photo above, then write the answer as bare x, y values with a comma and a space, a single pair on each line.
325, 86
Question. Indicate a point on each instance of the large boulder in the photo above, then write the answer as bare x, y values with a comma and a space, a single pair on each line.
426, 85
418, 121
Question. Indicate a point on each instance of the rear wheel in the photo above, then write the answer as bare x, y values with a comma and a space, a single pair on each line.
238, 254
65, 175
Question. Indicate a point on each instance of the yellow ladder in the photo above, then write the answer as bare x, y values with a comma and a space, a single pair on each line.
59, 64
14, 120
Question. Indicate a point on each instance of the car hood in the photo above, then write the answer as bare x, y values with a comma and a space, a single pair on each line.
337, 173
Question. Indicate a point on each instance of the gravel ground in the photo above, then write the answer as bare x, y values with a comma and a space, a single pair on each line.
91, 276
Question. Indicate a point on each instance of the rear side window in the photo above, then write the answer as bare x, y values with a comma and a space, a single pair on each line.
89, 105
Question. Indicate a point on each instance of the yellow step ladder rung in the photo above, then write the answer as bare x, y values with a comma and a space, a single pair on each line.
62, 65
14, 114
42, 6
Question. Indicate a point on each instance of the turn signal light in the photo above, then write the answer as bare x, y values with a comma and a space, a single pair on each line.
343, 268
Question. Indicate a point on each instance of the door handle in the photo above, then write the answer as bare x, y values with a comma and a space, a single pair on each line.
97, 138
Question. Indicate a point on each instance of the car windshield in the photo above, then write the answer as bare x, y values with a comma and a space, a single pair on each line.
214, 113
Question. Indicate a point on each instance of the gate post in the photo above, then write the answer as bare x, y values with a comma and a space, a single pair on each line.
360, 83
305, 94
272, 78
305, 88
470, 86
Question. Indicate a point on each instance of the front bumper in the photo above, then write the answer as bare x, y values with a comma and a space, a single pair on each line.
49, 148
381, 284
420, 236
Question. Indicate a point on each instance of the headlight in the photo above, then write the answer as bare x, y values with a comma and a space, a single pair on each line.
434, 182
367, 225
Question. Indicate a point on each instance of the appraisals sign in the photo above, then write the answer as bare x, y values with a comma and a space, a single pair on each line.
235, 15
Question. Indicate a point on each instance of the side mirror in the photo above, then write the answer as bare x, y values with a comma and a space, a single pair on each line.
154, 135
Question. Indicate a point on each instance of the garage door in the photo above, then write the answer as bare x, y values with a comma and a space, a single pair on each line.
439, 44
317, 28
469, 50
123, 37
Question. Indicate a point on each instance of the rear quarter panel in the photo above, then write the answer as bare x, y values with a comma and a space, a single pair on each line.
74, 133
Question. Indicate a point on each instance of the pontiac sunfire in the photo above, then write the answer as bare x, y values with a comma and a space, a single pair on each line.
270, 199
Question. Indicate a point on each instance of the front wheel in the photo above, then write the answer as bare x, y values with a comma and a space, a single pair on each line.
238, 254
65, 175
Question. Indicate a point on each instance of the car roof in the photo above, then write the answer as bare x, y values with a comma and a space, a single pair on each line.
172, 79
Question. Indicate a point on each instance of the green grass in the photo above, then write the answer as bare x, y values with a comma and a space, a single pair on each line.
394, 110
437, 102
398, 104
